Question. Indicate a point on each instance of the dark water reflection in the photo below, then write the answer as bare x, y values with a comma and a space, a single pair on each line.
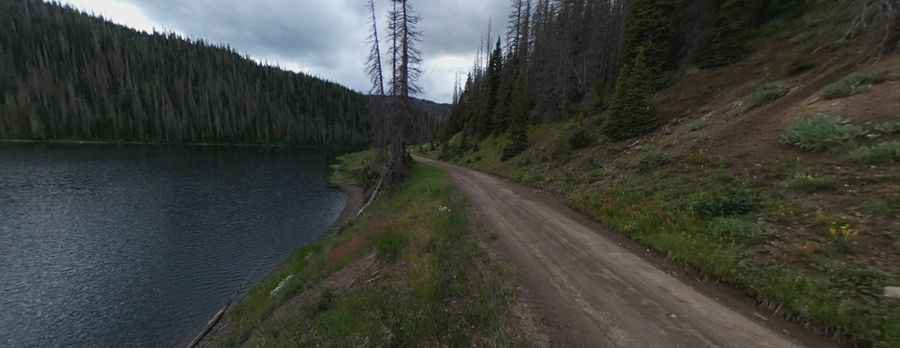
139, 245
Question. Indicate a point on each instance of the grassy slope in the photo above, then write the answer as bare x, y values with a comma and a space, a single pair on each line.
811, 230
755, 230
431, 284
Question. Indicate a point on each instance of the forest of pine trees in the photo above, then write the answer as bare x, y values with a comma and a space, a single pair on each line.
67, 75
563, 58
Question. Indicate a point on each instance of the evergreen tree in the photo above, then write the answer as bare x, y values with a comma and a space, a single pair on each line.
518, 131
649, 21
734, 19
633, 113
489, 121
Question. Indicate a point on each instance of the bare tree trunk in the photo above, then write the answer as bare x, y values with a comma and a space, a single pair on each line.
884, 16
405, 59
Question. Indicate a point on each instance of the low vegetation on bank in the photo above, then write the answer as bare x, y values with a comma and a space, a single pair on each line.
407, 273
814, 241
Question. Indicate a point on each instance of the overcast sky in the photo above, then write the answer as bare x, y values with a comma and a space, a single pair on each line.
325, 38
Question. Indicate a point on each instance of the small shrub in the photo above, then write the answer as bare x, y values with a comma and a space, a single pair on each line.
697, 124
811, 184
512, 150
722, 204
518, 142
858, 282
653, 160
765, 94
326, 301
580, 139
390, 246
889, 128
888, 207
820, 132
878, 154
842, 235
852, 85
444, 154
734, 230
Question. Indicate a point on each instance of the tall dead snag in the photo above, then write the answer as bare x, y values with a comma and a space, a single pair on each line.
405, 60
374, 68
378, 117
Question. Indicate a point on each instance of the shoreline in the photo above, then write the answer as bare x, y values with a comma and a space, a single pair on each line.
113, 142
356, 197
355, 200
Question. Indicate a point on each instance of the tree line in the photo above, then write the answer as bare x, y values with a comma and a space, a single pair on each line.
67, 75
559, 59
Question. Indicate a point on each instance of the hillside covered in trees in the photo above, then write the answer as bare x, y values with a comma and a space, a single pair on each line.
560, 59
67, 75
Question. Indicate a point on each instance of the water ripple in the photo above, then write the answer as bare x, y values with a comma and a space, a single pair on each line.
138, 246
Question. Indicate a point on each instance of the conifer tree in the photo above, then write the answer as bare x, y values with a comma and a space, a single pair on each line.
518, 131
649, 21
633, 113
728, 43
489, 120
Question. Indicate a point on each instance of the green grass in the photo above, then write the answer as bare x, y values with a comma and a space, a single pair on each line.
391, 246
765, 94
653, 160
446, 293
888, 128
700, 213
819, 133
877, 154
852, 85
697, 125
721, 203
886, 207
808, 183
733, 230
352, 169
259, 302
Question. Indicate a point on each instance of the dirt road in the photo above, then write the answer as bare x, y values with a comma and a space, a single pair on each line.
591, 291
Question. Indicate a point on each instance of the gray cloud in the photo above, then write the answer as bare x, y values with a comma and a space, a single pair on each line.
326, 38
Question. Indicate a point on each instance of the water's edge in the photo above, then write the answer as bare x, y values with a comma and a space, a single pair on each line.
354, 202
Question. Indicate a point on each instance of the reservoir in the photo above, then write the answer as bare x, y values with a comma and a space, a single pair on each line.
138, 246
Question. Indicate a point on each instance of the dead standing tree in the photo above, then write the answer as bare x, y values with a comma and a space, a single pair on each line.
396, 110
378, 120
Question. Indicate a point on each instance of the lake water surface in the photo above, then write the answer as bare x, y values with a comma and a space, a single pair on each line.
124, 246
